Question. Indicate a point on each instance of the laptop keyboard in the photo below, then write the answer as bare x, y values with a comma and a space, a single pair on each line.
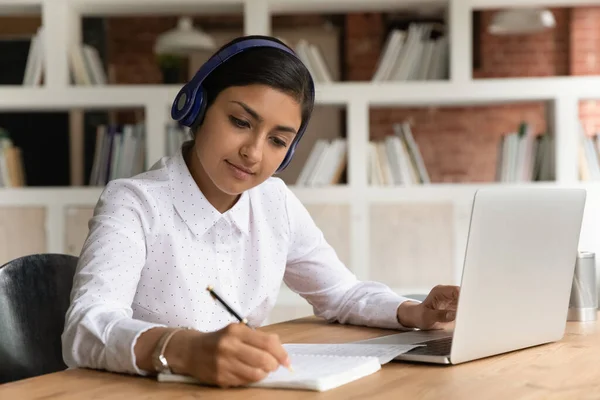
435, 347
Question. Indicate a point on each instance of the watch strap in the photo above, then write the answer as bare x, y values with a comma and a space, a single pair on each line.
159, 360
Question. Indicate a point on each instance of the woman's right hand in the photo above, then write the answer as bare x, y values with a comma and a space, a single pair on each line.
234, 356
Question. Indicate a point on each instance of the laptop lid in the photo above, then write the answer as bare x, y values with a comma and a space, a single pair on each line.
518, 270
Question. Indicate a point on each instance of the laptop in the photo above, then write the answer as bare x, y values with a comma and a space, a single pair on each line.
517, 275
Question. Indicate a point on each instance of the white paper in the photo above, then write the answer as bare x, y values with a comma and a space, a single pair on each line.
322, 366
384, 352
310, 372
317, 372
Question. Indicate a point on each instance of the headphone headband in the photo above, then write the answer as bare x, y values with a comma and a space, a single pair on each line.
190, 102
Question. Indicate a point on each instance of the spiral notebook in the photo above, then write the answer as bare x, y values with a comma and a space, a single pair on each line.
320, 367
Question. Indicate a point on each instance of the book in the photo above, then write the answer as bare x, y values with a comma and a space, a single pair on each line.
320, 367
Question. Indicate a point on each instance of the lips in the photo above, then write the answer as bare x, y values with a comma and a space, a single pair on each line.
241, 168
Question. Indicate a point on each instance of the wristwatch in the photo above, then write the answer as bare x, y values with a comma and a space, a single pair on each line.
159, 361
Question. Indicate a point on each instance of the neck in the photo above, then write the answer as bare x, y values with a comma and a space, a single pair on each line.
216, 197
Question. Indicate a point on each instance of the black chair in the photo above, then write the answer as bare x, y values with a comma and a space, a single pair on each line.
34, 297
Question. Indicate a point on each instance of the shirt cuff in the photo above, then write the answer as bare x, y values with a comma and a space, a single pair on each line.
388, 311
122, 337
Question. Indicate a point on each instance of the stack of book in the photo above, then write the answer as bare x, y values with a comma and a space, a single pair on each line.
397, 160
524, 156
12, 173
86, 65
35, 60
119, 153
313, 60
413, 55
325, 164
84, 60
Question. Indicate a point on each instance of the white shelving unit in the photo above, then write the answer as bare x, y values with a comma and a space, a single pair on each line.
62, 22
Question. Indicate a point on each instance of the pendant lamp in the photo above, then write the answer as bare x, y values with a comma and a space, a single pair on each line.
520, 21
183, 39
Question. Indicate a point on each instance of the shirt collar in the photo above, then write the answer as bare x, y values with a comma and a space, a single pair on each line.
193, 207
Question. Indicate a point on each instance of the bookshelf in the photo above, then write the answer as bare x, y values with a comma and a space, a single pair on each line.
362, 204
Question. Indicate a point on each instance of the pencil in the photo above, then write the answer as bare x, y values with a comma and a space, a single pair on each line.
243, 320
224, 304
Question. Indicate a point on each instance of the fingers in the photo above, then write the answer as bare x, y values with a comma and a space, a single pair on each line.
257, 358
443, 297
449, 292
436, 319
237, 374
443, 315
243, 355
228, 379
269, 343
248, 374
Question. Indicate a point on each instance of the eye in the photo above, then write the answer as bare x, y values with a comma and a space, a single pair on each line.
238, 123
278, 142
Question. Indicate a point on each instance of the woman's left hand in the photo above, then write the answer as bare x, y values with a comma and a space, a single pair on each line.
435, 312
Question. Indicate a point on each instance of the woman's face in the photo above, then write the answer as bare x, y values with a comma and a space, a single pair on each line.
245, 136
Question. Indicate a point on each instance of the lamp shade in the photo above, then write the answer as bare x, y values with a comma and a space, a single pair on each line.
183, 39
521, 21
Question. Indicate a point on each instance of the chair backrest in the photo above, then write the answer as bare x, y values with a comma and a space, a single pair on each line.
34, 298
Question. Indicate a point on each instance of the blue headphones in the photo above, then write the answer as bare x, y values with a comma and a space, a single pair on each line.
190, 102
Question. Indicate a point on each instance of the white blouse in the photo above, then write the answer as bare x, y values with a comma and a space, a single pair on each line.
155, 243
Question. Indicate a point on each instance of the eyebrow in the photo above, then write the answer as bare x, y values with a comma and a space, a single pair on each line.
257, 117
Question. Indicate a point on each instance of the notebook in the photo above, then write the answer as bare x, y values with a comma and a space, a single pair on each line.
321, 367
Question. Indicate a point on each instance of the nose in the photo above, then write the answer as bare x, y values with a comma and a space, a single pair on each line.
252, 150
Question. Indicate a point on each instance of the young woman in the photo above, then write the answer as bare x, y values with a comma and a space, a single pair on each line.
214, 215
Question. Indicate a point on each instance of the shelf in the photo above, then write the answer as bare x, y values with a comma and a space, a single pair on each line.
426, 93
207, 7
441, 192
26, 98
88, 196
453, 192
481, 91
323, 195
157, 7
49, 196
20, 7
320, 6
493, 4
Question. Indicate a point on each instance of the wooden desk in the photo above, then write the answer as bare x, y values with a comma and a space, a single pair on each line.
569, 369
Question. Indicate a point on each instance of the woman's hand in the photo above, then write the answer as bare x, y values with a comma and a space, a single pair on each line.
234, 356
435, 312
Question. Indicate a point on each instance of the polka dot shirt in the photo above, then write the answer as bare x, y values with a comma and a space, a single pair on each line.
155, 243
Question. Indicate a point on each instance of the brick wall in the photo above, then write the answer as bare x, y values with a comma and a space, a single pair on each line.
131, 41
541, 54
459, 144
363, 44
585, 59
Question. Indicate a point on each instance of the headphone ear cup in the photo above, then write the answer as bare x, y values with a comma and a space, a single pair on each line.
288, 158
196, 114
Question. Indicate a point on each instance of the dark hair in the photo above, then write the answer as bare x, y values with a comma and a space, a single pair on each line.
261, 65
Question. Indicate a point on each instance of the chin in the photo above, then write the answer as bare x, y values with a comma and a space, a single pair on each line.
235, 187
